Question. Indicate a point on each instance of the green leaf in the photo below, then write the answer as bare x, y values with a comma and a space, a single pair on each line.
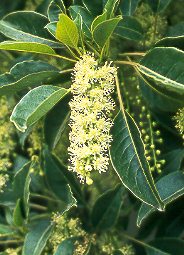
176, 30
110, 8
56, 121
21, 186
18, 217
32, 47
51, 27
55, 8
158, 5
106, 208
170, 187
66, 176
6, 230
67, 31
99, 19
35, 104
87, 19
158, 100
128, 7
169, 245
67, 247
168, 72
177, 42
36, 239
129, 161
104, 30
129, 28
57, 181
95, 7
173, 160
27, 26
27, 74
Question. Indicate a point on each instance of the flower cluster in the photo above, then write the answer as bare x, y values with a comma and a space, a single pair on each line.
6, 142
180, 121
89, 121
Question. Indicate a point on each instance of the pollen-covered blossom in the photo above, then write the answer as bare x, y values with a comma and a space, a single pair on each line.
90, 123
179, 117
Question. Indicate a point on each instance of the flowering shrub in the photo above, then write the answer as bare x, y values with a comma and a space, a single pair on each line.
92, 127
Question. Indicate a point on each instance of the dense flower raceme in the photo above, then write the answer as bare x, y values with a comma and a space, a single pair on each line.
180, 121
90, 122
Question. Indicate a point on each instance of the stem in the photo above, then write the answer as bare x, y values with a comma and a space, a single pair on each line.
132, 54
93, 49
38, 207
63, 57
11, 242
121, 62
119, 94
34, 195
66, 71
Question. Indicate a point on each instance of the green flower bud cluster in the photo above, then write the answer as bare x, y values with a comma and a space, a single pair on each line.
66, 228
90, 120
127, 250
7, 144
179, 118
35, 140
12, 251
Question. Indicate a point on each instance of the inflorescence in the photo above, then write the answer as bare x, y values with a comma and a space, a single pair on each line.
89, 121
179, 117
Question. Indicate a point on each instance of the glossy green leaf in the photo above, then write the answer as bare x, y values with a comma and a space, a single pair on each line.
57, 181
35, 104
129, 161
129, 28
170, 187
168, 72
6, 230
99, 19
19, 27
21, 188
158, 5
173, 160
66, 176
170, 245
95, 7
106, 208
104, 30
110, 8
18, 217
87, 19
177, 42
176, 30
55, 8
51, 27
56, 121
157, 99
67, 31
128, 7
31, 47
67, 247
27, 74
36, 239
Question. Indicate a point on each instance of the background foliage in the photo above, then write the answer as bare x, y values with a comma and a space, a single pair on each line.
137, 206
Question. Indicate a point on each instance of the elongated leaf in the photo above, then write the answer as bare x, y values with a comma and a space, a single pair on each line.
56, 121
106, 209
36, 239
170, 187
177, 42
99, 19
18, 217
6, 230
19, 27
158, 5
55, 8
95, 7
66, 177
128, 7
168, 72
104, 30
57, 181
110, 8
129, 161
32, 47
51, 27
67, 247
35, 104
27, 74
87, 19
21, 186
171, 245
67, 31
129, 28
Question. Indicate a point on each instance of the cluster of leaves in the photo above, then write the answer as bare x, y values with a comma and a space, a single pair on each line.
146, 42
